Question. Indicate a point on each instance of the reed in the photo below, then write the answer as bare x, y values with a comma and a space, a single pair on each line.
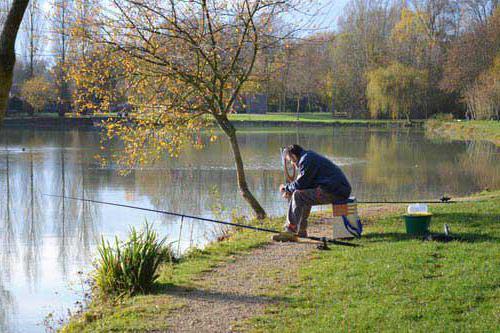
131, 267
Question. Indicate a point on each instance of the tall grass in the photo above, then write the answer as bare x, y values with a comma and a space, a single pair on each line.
131, 267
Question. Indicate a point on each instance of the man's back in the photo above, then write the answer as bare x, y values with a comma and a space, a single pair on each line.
317, 170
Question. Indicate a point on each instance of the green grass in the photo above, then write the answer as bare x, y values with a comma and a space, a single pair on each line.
391, 283
308, 118
313, 117
488, 130
398, 284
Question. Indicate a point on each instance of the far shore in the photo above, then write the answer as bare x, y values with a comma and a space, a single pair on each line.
70, 121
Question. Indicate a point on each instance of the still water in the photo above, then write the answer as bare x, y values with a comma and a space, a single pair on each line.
45, 242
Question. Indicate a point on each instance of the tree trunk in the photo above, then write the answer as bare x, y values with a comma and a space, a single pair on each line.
5, 84
283, 101
230, 131
308, 103
332, 106
298, 106
7, 54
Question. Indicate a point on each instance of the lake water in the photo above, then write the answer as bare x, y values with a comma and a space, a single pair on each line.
45, 241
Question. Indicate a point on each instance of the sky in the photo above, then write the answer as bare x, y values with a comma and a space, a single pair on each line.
330, 12
326, 14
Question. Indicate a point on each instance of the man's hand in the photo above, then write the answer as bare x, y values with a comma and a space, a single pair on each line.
284, 193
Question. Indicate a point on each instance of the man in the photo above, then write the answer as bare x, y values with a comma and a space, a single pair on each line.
320, 182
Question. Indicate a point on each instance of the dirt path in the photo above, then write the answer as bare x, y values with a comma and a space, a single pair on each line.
232, 292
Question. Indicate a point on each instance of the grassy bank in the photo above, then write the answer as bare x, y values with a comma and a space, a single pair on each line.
465, 130
311, 118
48, 120
394, 283
390, 283
148, 312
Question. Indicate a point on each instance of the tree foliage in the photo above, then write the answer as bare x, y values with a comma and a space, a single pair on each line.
483, 97
409, 38
471, 68
396, 90
471, 55
38, 92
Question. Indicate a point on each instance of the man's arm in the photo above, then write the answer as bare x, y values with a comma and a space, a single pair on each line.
308, 170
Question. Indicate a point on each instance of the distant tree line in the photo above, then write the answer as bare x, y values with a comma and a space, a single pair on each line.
386, 59
392, 58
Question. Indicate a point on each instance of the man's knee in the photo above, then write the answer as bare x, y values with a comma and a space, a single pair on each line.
298, 197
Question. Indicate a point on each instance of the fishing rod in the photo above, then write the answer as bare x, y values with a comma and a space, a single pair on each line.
442, 200
324, 240
406, 202
286, 168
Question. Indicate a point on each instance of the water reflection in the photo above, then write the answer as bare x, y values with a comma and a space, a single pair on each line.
75, 229
41, 241
8, 250
6, 307
478, 159
44, 241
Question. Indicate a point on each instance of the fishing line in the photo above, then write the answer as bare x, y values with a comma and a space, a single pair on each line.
319, 239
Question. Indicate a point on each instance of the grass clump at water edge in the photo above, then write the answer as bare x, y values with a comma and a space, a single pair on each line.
149, 312
130, 267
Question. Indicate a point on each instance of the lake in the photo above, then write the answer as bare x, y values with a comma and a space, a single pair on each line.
47, 244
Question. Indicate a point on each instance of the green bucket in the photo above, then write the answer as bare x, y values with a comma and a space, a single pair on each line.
417, 224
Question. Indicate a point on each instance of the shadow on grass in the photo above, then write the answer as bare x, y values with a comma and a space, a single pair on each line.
401, 237
243, 296
479, 221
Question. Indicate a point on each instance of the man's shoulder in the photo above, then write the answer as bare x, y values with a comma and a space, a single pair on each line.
309, 155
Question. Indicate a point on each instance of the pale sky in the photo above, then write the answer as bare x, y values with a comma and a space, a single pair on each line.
331, 9
326, 14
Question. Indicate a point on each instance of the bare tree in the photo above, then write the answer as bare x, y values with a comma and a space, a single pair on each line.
31, 28
7, 50
60, 21
479, 10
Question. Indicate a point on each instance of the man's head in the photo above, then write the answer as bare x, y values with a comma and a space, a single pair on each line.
293, 153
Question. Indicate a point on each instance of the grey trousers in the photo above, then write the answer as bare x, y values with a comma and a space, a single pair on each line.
300, 206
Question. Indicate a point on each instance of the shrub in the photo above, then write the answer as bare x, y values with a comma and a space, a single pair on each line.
38, 92
131, 267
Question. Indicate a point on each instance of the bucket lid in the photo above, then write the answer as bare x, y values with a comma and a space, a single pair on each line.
418, 214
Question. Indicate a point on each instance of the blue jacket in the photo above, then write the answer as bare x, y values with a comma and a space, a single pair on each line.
316, 170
